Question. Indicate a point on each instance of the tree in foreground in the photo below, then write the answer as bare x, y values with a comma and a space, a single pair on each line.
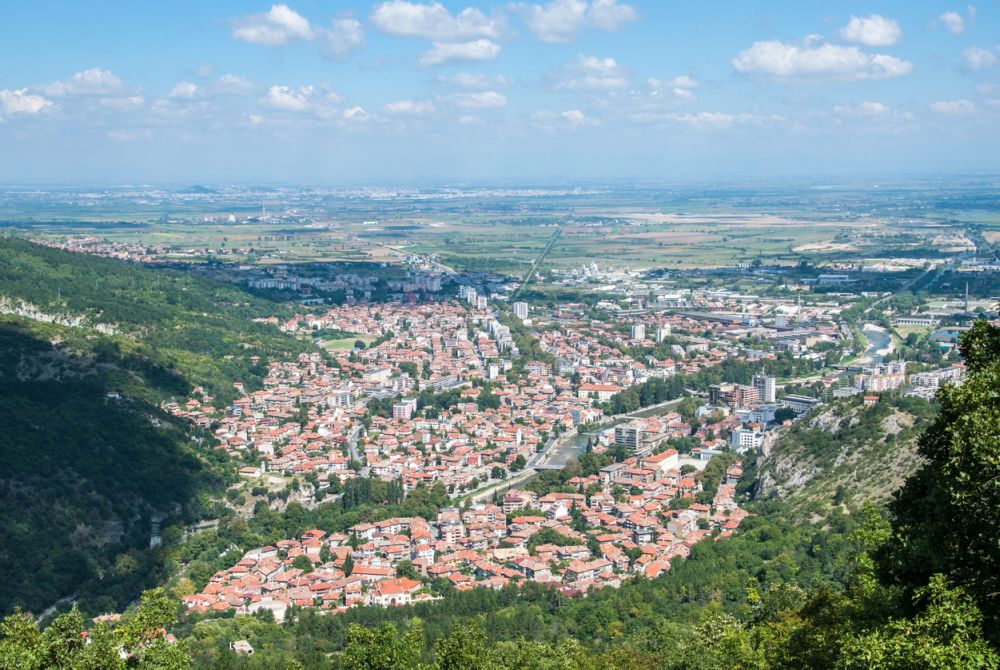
138, 641
947, 516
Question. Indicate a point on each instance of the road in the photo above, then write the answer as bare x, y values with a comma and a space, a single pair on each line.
486, 489
909, 285
538, 261
555, 455
51, 609
354, 453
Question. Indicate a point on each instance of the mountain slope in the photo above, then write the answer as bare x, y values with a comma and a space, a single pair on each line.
168, 322
82, 475
843, 452
89, 347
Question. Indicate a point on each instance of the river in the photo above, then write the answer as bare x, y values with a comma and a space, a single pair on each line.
879, 342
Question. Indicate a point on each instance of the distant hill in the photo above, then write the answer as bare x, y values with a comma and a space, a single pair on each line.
198, 189
843, 452
89, 347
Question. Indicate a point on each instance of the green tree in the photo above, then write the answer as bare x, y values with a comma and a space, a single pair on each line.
947, 516
348, 565
947, 634
138, 642
406, 569
383, 648
464, 649
303, 563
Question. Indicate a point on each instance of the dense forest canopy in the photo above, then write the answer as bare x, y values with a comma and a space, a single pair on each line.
201, 331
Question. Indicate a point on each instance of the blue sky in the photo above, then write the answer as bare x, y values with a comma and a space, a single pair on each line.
338, 92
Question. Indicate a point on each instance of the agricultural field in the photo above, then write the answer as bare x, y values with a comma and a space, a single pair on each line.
507, 231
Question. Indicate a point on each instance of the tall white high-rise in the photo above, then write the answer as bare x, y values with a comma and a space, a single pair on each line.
766, 388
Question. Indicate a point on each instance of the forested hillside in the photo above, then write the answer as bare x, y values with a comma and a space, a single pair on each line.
88, 349
159, 323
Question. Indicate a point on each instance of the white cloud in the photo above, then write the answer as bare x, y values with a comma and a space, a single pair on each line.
863, 109
571, 118
446, 52
954, 22
560, 20
683, 81
273, 28
231, 84
875, 116
578, 119
204, 70
977, 58
412, 107
282, 25
557, 21
610, 15
331, 97
873, 31
184, 90
481, 100
710, 121
96, 89
288, 99
988, 88
470, 120
681, 88
19, 101
826, 61
433, 21
343, 37
473, 80
94, 81
356, 114
590, 73
953, 106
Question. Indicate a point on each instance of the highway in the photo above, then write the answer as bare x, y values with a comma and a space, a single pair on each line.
538, 261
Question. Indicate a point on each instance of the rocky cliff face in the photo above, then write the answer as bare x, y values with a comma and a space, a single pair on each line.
843, 452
